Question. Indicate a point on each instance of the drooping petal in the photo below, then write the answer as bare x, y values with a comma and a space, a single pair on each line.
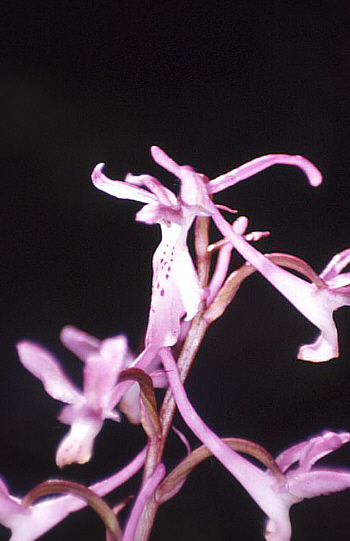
117, 188
44, 366
77, 445
79, 342
175, 288
259, 164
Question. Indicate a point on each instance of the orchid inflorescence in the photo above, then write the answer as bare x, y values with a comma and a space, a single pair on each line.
186, 298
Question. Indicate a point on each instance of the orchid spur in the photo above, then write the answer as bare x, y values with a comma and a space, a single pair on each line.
85, 411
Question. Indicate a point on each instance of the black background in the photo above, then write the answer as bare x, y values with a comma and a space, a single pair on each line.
215, 84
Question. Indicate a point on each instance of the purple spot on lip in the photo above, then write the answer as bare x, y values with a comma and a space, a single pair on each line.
162, 292
167, 276
169, 269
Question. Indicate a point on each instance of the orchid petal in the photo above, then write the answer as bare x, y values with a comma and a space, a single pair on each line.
77, 446
8, 505
162, 194
79, 342
120, 189
310, 451
193, 190
175, 288
259, 164
336, 265
44, 366
317, 305
318, 482
102, 370
162, 159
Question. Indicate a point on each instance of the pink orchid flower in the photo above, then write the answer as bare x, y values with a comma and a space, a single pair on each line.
317, 304
87, 409
28, 524
182, 294
175, 287
304, 481
274, 496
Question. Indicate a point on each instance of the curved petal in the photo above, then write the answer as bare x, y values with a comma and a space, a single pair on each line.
336, 265
259, 164
193, 190
79, 342
120, 189
44, 366
310, 451
324, 348
130, 404
163, 195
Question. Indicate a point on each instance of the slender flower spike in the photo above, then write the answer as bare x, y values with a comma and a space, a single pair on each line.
87, 409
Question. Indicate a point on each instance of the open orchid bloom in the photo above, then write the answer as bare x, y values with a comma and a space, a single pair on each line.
305, 481
175, 287
85, 410
316, 303
274, 495
28, 524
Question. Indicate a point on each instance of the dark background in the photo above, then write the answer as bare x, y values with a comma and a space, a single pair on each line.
215, 84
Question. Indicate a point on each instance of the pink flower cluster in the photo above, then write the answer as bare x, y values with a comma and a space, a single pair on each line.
182, 303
